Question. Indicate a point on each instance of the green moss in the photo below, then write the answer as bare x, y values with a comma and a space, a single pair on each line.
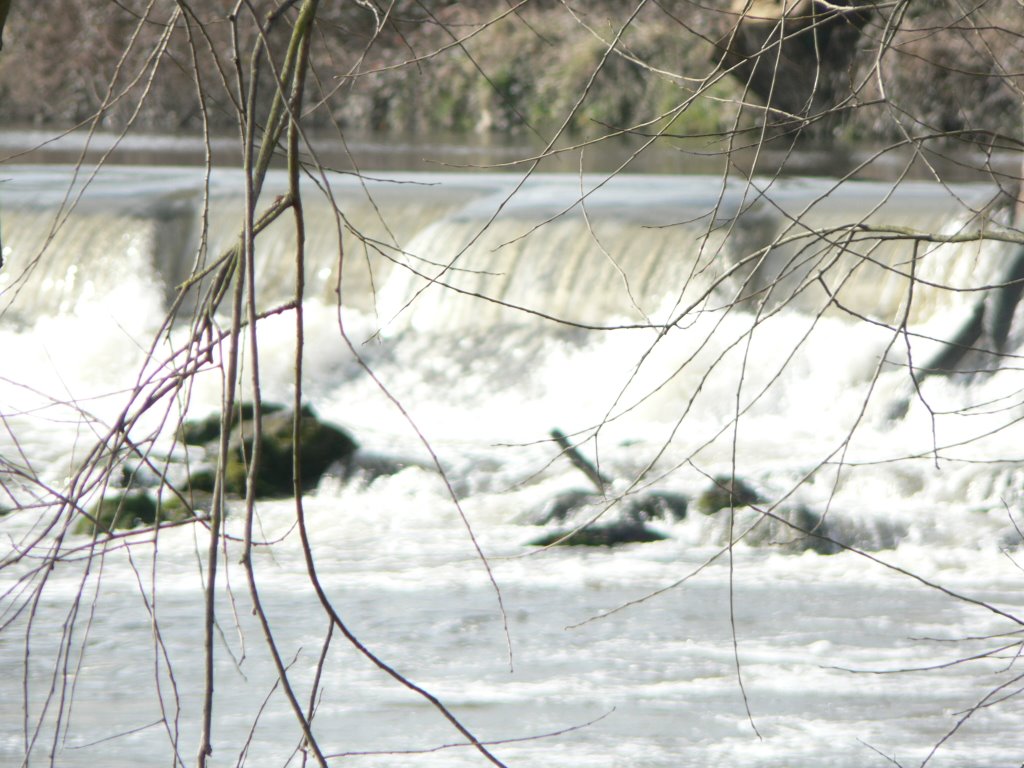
275, 471
202, 479
203, 431
175, 508
450, 109
124, 511
200, 432
322, 445
711, 112
726, 493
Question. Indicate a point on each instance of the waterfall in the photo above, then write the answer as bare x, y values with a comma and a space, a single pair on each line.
590, 250
822, 260
61, 250
634, 247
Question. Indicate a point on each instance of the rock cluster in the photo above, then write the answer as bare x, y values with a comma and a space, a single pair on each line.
585, 518
325, 448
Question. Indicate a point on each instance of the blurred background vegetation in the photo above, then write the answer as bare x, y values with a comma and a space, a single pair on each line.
492, 68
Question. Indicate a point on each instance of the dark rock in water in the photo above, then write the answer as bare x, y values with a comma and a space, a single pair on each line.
790, 529
793, 529
818, 530
726, 493
1005, 299
949, 355
202, 479
369, 466
200, 432
204, 431
556, 510
1010, 541
807, 530
650, 505
628, 523
323, 446
657, 505
135, 476
365, 467
601, 535
124, 511
187, 505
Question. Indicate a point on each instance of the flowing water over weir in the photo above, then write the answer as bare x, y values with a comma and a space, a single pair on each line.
679, 329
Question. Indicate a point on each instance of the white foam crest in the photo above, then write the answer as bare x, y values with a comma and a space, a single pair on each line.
75, 368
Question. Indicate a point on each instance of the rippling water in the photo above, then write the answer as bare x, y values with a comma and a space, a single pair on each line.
681, 652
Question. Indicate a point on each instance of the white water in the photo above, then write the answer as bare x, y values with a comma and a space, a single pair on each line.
485, 384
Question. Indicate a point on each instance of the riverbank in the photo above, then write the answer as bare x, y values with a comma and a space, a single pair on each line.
517, 74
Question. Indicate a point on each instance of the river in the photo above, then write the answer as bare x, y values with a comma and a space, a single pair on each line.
677, 327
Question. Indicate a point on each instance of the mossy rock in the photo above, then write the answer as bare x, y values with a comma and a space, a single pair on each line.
274, 477
187, 505
602, 535
202, 479
322, 446
200, 432
124, 511
726, 493
204, 431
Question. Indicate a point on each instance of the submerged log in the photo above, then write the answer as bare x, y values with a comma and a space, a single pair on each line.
625, 524
981, 337
946, 360
578, 461
579, 504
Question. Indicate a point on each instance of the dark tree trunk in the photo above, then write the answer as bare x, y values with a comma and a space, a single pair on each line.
795, 57
5, 6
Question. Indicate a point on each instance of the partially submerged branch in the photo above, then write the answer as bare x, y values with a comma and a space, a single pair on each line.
599, 481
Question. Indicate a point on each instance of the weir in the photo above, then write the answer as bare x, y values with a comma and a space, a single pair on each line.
591, 251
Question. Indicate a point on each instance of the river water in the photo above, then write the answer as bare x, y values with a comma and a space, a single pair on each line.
788, 371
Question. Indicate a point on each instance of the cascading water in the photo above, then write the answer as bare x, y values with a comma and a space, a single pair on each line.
785, 356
